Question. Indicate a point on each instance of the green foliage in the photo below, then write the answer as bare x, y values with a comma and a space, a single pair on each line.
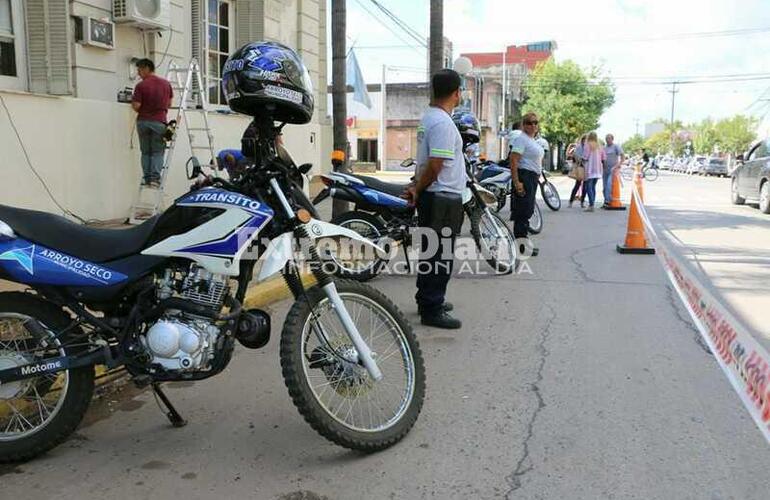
568, 99
634, 144
729, 135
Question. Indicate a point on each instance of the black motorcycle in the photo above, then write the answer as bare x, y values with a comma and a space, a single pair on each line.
382, 214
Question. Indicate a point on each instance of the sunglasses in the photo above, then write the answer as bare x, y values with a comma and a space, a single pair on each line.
531, 123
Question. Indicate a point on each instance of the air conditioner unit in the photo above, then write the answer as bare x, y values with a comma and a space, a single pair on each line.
95, 32
145, 14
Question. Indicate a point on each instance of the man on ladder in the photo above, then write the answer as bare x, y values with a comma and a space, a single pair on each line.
152, 100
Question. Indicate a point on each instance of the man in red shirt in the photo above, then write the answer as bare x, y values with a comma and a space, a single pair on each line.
152, 98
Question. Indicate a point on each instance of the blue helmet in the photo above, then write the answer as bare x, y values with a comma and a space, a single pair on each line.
269, 79
468, 126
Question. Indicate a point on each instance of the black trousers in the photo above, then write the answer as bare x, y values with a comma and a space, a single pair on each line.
443, 214
573, 195
522, 207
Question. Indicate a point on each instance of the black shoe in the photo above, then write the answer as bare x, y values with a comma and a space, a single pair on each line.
531, 250
442, 319
447, 307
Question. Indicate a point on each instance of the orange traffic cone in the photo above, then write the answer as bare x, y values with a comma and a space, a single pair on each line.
615, 203
636, 243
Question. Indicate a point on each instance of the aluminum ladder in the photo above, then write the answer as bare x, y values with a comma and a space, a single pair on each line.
192, 108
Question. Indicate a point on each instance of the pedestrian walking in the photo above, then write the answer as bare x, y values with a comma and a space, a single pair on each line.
526, 166
578, 167
595, 159
437, 191
151, 100
614, 159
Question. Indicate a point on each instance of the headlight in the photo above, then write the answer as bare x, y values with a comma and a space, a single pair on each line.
487, 197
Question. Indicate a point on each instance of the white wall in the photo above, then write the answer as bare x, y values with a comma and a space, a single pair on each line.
82, 150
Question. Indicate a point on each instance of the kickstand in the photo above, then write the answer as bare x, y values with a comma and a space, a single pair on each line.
173, 416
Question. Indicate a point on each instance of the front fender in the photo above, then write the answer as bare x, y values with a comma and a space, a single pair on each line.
281, 248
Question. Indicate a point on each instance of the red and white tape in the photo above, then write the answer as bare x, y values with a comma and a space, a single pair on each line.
744, 361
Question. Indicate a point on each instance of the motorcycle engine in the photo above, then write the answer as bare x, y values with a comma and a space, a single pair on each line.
179, 341
182, 343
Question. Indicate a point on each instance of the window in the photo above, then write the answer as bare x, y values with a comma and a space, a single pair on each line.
220, 40
367, 150
7, 44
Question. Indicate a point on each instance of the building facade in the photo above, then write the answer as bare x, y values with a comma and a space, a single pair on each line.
63, 62
494, 89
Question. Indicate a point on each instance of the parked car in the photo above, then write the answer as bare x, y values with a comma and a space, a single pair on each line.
695, 164
714, 166
751, 180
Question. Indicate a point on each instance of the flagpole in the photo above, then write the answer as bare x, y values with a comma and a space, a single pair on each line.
383, 125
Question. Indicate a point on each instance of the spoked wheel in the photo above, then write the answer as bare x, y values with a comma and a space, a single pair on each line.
357, 262
550, 196
38, 413
651, 174
493, 239
332, 390
536, 221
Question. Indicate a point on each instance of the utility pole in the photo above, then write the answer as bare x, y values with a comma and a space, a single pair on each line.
636, 121
673, 92
339, 93
436, 39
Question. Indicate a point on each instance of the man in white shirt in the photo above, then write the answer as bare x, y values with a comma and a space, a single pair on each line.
437, 192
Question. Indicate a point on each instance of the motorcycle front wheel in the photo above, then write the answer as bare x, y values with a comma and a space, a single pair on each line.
536, 221
331, 389
356, 264
493, 239
550, 196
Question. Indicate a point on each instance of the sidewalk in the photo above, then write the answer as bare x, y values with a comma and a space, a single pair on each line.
582, 380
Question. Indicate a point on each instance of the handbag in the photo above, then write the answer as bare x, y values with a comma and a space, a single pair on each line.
578, 172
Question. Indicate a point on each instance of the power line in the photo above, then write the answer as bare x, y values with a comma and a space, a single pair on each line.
674, 36
384, 24
32, 168
408, 29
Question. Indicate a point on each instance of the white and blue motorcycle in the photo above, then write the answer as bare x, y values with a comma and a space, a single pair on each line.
168, 299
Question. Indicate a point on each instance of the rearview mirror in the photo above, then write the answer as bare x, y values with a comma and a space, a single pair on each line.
193, 168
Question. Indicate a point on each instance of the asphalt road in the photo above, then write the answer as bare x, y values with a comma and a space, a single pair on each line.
582, 380
728, 244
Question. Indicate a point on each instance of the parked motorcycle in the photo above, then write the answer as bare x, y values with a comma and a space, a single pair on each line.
165, 300
498, 181
547, 190
380, 212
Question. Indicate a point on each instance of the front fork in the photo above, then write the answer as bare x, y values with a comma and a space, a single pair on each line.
330, 290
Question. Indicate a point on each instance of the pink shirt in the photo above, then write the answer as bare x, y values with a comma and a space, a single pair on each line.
594, 161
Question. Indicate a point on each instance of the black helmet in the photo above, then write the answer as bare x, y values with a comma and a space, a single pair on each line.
468, 126
267, 78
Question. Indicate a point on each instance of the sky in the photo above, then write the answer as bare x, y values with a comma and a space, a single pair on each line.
632, 40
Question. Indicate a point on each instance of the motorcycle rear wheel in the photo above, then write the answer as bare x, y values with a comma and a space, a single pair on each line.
337, 397
37, 414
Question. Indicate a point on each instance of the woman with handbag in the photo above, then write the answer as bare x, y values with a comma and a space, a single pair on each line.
578, 172
594, 166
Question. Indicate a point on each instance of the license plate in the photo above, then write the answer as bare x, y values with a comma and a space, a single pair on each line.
283, 93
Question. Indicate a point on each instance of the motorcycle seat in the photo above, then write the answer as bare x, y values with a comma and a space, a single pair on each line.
378, 185
87, 243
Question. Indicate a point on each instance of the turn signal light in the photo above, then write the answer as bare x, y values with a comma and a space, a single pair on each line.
303, 216
338, 155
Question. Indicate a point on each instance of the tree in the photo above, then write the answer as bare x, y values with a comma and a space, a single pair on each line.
339, 90
568, 99
436, 40
633, 144
735, 135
